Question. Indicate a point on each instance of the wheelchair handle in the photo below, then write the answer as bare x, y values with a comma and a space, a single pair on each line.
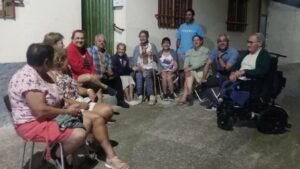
277, 55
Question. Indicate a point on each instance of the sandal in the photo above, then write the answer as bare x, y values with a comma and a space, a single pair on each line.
116, 163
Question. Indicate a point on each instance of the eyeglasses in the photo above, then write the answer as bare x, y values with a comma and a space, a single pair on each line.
251, 42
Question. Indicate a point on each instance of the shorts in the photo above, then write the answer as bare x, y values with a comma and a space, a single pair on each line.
197, 75
126, 81
43, 131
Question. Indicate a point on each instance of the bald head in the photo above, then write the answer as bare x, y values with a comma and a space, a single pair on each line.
100, 41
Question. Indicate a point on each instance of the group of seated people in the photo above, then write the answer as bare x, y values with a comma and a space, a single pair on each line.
59, 84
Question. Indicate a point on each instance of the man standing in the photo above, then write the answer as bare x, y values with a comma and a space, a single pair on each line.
103, 66
221, 59
184, 37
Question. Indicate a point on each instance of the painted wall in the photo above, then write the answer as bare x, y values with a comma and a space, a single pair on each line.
33, 21
283, 31
211, 14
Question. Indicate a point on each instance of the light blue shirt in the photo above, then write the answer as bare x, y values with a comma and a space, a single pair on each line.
185, 34
230, 56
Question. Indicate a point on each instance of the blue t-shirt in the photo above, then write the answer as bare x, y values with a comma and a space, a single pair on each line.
185, 33
230, 56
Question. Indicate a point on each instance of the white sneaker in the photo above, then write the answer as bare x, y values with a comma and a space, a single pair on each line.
152, 100
132, 102
140, 99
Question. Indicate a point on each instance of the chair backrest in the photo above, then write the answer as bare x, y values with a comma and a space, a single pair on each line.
274, 81
7, 102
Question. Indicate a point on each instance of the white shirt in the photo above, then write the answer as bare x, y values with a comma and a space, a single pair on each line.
249, 62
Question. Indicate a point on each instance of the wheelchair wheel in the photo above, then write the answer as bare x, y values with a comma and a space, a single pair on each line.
273, 120
225, 118
225, 122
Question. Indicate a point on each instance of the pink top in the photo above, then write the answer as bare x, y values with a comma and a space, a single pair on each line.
26, 79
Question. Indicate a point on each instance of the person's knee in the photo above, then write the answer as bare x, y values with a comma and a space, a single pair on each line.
169, 77
107, 111
78, 136
99, 121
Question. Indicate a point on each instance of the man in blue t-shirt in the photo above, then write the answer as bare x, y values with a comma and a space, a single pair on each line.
184, 37
221, 59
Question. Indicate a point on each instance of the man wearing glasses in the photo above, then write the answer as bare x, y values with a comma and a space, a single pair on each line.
256, 63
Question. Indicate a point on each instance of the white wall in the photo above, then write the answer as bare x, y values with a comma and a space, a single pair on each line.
283, 31
211, 14
33, 21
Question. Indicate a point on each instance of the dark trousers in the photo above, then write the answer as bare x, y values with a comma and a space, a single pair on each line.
212, 87
116, 84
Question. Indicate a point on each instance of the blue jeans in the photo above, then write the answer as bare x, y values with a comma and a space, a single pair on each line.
148, 82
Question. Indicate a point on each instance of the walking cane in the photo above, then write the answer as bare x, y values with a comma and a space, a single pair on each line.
154, 80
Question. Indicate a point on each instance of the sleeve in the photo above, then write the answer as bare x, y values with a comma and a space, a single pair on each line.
29, 82
233, 57
95, 60
92, 66
213, 54
113, 60
127, 67
76, 62
135, 56
263, 64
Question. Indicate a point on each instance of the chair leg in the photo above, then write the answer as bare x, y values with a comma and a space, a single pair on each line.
159, 86
32, 151
199, 98
62, 156
23, 155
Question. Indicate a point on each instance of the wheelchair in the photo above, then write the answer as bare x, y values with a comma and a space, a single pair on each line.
261, 109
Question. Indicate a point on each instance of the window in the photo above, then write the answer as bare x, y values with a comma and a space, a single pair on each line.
171, 12
237, 15
7, 9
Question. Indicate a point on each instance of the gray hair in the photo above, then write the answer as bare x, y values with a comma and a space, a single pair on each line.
225, 35
100, 35
121, 44
260, 38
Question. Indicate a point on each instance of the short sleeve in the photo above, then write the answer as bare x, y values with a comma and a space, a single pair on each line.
233, 57
213, 54
31, 82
